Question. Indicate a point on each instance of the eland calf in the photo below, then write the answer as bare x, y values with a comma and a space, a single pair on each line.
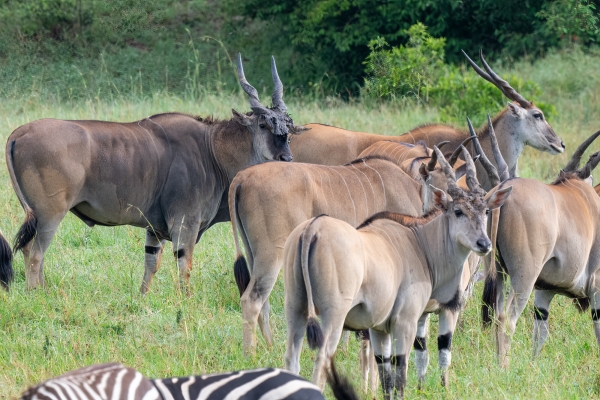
548, 239
381, 275
167, 173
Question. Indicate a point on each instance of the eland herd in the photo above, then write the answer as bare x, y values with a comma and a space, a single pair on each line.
373, 232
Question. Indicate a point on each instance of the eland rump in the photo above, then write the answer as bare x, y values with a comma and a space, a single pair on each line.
381, 275
166, 173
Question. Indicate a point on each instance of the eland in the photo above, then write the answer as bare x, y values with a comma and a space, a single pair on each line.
381, 275
548, 239
167, 173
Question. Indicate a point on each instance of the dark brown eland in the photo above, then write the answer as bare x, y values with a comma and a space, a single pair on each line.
166, 173
520, 124
268, 201
381, 275
548, 239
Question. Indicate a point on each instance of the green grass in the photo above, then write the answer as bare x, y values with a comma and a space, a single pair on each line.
91, 310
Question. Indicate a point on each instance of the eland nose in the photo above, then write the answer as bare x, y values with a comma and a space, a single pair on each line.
563, 144
286, 157
484, 245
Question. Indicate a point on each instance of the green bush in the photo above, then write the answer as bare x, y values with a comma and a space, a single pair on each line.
404, 71
417, 71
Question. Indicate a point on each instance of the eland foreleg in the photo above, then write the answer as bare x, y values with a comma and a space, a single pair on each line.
382, 350
448, 319
420, 346
541, 310
153, 254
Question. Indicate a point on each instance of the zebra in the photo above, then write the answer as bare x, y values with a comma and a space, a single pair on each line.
114, 381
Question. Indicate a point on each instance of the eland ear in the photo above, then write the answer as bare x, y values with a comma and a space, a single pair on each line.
424, 172
440, 198
499, 197
241, 118
516, 110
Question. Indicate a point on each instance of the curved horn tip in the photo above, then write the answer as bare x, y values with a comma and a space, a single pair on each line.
471, 129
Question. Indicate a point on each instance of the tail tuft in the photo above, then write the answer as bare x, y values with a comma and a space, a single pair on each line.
489, 301
6, 270
582, 304
314, 334
241, 273
340, 386
27, 231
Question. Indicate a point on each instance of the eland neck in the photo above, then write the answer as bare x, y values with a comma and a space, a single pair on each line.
445, 257
232, 147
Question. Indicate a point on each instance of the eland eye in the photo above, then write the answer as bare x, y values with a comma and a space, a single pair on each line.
487, 212
262, 126
458, 213
538, 116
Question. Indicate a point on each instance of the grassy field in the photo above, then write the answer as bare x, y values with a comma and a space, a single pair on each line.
91, 310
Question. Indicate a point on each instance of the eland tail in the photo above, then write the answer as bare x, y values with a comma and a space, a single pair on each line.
28, 229
314, 333
240, 266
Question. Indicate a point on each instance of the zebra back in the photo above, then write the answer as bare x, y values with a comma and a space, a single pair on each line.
263, 384
111, 381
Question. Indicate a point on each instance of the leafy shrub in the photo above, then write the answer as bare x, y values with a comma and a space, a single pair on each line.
404, 71
417, 71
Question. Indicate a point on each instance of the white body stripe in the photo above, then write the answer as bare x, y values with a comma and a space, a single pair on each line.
245, 388
288, 389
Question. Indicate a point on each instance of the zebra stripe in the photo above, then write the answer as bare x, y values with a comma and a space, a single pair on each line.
257, 384
116, 382
99, 382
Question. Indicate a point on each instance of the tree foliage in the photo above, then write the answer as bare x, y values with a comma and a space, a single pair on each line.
333, 35
417, 71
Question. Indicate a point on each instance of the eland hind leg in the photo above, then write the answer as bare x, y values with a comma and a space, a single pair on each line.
35, 250
296, 327
542, 300
515, 304
153, 254
333, 326
254, 301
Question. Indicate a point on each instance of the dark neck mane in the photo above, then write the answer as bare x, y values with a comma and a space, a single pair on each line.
402, 219
371, 157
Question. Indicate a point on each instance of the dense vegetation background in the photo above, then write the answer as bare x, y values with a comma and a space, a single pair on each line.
373, 66
70, 49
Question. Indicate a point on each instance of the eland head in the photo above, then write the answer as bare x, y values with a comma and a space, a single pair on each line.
525, 119
466, 210
271, 127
